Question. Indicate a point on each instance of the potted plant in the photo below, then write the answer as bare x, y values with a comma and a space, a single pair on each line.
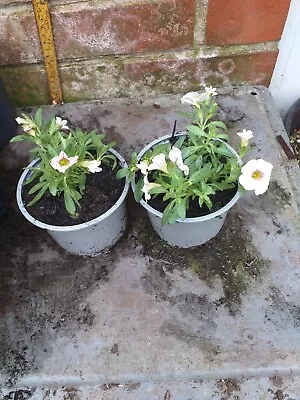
187, 182
70, 188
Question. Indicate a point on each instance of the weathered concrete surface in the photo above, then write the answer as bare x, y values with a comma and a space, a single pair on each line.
146, 321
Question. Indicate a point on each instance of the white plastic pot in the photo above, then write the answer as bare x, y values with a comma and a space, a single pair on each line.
88, 238
191, 231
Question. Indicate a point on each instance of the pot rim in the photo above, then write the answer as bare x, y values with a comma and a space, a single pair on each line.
193, 219
70, 228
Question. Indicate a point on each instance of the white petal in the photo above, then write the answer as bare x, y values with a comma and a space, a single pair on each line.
249, 167
159, 163
264, 166
143, 166
210, 90
184, 168
175, 154
246, 135
247, 182
193, 98
261, 188
62, 123
20, 120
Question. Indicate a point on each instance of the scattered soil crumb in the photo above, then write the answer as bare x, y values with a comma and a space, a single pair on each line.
167, 396
130, 387
279, 395
70, 393
109, 386
19, 395
115, 349
227, 387
276, 380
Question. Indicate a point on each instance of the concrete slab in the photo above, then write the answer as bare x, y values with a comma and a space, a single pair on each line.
144, 320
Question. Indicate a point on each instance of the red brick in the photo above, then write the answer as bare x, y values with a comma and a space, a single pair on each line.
176, 75
19, 41
253, 69
245, 21
120, 29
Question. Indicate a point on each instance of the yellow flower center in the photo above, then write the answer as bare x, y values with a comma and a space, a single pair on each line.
63, 162
257, 174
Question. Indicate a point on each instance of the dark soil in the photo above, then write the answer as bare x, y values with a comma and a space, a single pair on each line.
102, 192
295, 142
219, 200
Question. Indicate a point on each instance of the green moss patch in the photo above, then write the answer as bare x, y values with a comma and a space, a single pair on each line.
230, 256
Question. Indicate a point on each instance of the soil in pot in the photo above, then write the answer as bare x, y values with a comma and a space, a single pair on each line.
102, 192
219, 200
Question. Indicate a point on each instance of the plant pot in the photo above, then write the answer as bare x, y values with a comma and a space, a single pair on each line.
88, 238
191, 231
292, 118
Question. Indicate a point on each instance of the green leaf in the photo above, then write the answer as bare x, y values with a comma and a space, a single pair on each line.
202, 174
188, 151
157, 190
181, 208
37, 187
224, 151
52, 152
179, 142
189, 160
219, 124
168, 214
134, 159
53, 187
207, 201
38, 196
161, 148
122, 173
18, 138
196, 130
207, 189
69, 203
138, 194
39, 118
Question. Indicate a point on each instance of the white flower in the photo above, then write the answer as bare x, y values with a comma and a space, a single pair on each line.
210, 90
159, 162
92, 166
256, 175
184, 168
27, 125
143, 166
148, 186
193, 98
176, 157
20, 120
245, 137
61, 123
62, 162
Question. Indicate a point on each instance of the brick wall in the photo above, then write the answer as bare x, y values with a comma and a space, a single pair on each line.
118, 48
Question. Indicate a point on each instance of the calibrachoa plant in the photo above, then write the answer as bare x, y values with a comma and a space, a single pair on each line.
198, 164
65, 156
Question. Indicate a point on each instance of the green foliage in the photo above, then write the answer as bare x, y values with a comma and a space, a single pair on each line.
205, 165
62, 174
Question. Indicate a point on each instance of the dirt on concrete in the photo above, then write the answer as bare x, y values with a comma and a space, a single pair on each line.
43, 288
